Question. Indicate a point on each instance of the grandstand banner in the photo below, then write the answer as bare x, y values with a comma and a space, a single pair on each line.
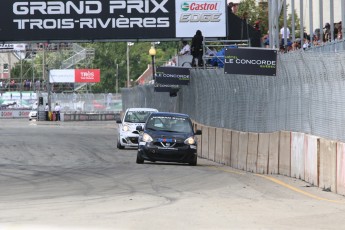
123, 20
248, 61
74, 76
167, 75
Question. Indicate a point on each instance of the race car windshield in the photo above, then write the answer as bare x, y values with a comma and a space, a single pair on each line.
137, 116
169, 124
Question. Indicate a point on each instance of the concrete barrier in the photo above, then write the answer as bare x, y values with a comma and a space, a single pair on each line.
204, 142
341, 168
311, 160
252, 155
242, 151
234, 149
219, 146
211, 143
297, 155
273, 153
226, 146
198, 138
284, 153
263, 146
328, 171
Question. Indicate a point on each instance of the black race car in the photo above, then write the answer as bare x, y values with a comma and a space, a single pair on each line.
167, 137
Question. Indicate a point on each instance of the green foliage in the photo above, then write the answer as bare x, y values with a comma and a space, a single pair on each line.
259, 12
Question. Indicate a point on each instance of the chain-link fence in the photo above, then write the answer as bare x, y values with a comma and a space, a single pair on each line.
307, 95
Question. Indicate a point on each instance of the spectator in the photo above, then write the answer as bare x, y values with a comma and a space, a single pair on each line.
230, 5
197, 48
57, 111
306, 43
266, 40
284, 35
327, 34
46, 111
185, 49
38, 85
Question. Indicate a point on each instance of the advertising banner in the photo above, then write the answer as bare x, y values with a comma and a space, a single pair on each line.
80, 20
12, 47
248, 61
87, 75
74, 75
208, 16
165, 88
167, 75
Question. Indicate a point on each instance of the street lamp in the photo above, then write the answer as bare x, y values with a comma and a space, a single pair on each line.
152, 53
128, 45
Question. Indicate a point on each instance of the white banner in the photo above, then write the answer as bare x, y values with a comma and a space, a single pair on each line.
208, 16
13, 47
61, 75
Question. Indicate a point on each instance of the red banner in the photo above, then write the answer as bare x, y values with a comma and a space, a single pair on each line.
87, 75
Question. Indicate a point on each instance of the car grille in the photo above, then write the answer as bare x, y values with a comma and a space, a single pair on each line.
134, 140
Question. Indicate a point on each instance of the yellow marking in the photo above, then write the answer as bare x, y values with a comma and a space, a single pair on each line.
282, 184
227, 170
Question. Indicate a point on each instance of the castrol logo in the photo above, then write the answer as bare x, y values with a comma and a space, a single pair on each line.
200, 6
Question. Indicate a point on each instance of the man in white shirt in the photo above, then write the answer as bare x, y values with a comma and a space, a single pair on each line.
57, 111
46, 110
284, 35
185, 49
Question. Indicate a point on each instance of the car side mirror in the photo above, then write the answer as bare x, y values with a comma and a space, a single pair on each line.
139, 128
118, 121
198, 132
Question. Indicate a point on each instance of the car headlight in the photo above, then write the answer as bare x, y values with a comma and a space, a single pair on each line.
125, 128
190, 141
147, 138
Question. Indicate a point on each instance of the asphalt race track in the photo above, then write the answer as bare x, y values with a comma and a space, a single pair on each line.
70, 175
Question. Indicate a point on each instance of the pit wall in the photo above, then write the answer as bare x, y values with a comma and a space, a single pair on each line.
315, 160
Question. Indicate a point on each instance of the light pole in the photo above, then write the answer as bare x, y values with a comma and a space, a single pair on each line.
152, 53
128, 45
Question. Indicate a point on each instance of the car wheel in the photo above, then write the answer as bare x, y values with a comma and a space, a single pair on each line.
119, 146
194, 161
140, 160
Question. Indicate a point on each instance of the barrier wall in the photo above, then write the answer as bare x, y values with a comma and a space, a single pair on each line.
311, 160
234, 149
204, 142
284, 167
263, 146
328, 157
252, 156
297, 155
227, 146
219, 146
211, 143
242, 151
341, 168
273, 153
318, 161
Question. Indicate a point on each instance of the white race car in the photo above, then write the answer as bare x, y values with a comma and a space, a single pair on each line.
127, 133
33, 115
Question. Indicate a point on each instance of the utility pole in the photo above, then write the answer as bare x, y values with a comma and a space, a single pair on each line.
117, 79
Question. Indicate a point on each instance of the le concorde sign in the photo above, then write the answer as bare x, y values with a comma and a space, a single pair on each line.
104, 20
248, 61
168, 75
